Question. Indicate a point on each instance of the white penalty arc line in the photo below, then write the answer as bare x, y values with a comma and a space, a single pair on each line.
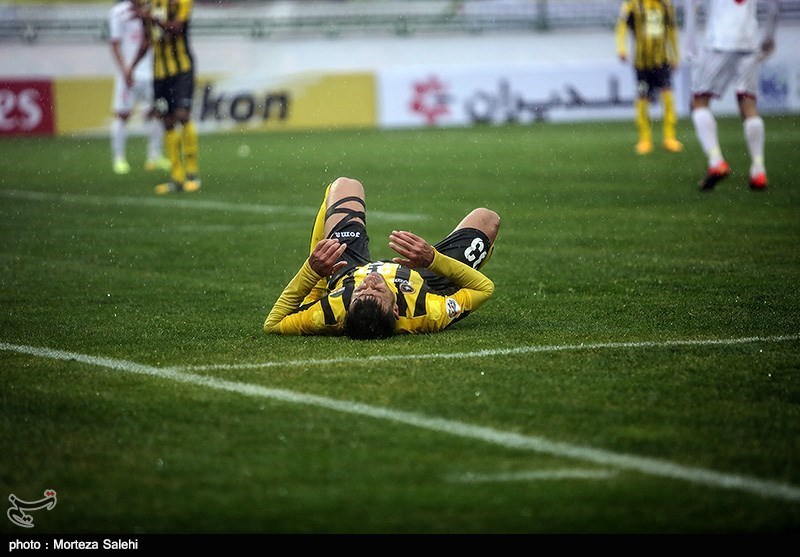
486, 353
189, 204
506, 439
532, 475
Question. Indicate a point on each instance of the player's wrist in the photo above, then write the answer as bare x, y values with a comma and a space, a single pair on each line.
436, 255
307, 268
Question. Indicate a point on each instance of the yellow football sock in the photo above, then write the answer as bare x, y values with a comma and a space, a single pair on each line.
670, 117
190, 147
172, 143
317, 234
318, 229
643, 119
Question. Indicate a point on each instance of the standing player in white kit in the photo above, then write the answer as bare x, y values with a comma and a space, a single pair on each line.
125, 36
731, 55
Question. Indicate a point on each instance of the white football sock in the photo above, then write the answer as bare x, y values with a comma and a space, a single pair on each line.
754, 135
118, 137
155, 139
705, 126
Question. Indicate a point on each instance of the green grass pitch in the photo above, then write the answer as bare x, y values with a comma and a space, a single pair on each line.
637, 371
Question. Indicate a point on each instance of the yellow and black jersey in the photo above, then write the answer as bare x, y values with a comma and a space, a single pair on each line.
654, 29
420, 310
172, 54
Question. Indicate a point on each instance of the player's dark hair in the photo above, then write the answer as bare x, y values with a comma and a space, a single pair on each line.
367, 320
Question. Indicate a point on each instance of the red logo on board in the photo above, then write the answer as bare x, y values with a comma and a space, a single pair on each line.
430, 99
26, 107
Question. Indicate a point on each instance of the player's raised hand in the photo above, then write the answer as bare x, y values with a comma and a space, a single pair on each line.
415, 252
141, 10
325, 259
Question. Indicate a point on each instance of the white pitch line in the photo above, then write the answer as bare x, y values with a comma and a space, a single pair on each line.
206, 229
189, 204
506, 439
533, 475
493, 352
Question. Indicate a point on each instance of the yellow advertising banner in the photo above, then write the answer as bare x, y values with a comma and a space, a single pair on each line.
336, 101
293, 102
82, 105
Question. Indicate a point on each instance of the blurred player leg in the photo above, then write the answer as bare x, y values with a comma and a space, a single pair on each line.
754, 135
645, 144
189, 142
118, 143
155, 146
671, 142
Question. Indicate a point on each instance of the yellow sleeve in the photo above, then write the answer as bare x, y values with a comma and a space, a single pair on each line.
440, 310
475, 287
291, 299
622, 29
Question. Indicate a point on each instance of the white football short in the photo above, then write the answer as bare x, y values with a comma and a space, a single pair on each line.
717, 70
125, 100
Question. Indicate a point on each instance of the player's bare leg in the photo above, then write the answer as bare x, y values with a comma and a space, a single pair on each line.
346, 194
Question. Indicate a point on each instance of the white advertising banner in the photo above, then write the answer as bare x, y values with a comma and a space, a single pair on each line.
470, 95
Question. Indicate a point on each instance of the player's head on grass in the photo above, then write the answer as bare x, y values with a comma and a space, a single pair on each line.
373, 310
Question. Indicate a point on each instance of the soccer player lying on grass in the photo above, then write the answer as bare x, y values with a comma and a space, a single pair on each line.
341, 290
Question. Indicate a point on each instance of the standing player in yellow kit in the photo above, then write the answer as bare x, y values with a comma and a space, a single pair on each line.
655, 56
167, 25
